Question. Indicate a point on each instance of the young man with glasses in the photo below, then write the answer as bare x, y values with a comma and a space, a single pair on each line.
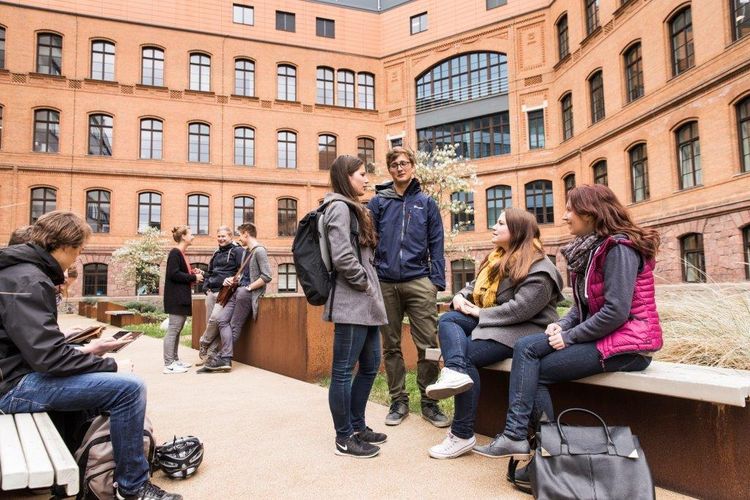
411, 269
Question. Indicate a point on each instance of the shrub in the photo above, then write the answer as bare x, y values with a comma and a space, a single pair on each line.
143, 307
89, 300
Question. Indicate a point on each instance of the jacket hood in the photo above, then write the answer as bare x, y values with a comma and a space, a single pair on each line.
546, 266
386, 189
338, 197
28, 253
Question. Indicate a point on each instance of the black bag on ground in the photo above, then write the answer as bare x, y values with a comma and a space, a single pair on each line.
572, 462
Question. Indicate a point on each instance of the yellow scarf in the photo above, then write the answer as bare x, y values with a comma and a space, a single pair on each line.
485, 291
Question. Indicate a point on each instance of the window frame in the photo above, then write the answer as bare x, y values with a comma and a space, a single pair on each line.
100, 270
99, 134
567, 115
596, 96
53, 61
687, 254
563, 39
569, 182
496, 126
3, 35
682, 37
283, 21
366, 152
365, 90
156, 66
463, 222
151, 133
421, 23
600, 172
328, 27
345, 90
288, 271
151, 219
743, 133
324, 86
51, 129
746, 249
734, 8
460, 271
243, 147
634, 88
289, 75
326, 151
696, 170
202, 212
535, 120
243, 10
102, 221
202, 73
505, 199
541, 189
289, 134
199, 134
635, 160
246, 75
286, 217
45, 200
99, 67
591, 11
242, 210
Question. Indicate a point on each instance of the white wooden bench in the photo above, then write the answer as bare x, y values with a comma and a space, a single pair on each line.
33, 454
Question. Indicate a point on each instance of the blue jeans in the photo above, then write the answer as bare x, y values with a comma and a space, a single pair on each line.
123, 396
536, 365
347, 399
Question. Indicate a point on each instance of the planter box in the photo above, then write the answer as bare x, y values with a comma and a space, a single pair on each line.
104, 306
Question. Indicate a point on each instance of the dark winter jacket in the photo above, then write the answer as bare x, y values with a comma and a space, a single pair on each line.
178, 297
30, 339
224, 263
410, 233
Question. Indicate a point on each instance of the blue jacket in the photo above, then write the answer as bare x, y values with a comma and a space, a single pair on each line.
410, 233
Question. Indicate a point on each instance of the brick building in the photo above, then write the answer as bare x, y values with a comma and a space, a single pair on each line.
209, 113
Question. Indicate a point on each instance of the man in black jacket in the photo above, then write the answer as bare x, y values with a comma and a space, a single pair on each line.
40, 372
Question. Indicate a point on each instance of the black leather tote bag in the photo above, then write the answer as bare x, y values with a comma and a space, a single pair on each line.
601, 462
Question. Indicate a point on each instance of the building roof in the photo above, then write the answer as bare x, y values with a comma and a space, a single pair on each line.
371, 5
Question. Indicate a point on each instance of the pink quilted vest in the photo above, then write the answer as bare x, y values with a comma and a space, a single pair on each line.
642, 331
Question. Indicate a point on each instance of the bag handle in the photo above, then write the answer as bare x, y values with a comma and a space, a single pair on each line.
611, 449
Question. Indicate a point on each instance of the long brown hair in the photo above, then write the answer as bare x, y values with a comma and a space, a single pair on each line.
611, 217
524, 249
341, 170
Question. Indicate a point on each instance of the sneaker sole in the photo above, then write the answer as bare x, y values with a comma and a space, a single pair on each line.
439, 425
170, 372
377, 442
447, 392
456, 454
343, 454
395, 422
222, 369
517, 456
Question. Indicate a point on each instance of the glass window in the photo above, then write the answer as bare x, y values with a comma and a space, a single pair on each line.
197, 215
418, 23
539, 201
244, 210
285, 21
95, 279
462, 273
476, 138
243, 14
693, 258
49, 54
596, 92
743, 133
464, 220
562, 37
498, 199
689, 156
287, 149
244, 146
569, 181
46, 131
286, 83
491, 4
287, 216
639, 173
2, 48
152, 66
345, 89
740, 18
600, 172
634, 72
681, 30
325, 27
536, 129
324, 93
200, 72
287, 278
152, 132
746, 248
366, 152
592, 16
103, 61
149, 211
567, 115
366, 91
43, 200
1, 126
198, 142
244, 77
197, 287
326, 151
98, 210
100, 135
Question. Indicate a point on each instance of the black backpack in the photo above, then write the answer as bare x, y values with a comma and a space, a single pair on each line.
312, 258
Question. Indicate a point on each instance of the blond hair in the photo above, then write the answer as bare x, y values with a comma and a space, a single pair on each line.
178, 232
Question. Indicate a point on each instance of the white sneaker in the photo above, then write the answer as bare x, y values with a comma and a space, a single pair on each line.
174, 368
183, 363
452, 447
449, 383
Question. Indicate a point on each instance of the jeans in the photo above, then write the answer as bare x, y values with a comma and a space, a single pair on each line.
210, 337
536, 365
172, 338
123, 396
347, 400
232, 319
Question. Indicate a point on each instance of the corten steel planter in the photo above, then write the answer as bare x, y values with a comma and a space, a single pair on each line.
104, 306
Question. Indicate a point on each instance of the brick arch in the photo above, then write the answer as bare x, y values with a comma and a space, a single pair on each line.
691, 226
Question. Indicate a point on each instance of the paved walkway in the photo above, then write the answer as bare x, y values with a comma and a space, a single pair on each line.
269, 436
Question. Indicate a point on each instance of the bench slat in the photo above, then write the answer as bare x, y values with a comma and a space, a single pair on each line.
38, 465
13, 472
66, 469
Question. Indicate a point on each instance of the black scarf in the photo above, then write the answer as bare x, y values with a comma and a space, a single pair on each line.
577, 252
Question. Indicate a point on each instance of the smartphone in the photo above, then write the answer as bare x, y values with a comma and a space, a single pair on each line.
121, 334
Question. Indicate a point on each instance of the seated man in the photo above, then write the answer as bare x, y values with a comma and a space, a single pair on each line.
40, 372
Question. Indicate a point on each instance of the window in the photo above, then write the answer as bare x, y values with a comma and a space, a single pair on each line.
366, 152
149, 211
638, 172
1, 126
536, 129
743, 132
287, 149
600, 172
286, 83
2, 47
103, 61
462, 273
464, 219
197, 215
418, 23
634, 72
326, 151
476, 138
325, 27
100, 135
287, 278
243, 14
596, 92
152, 67
244, 210
491, 4
43, 200
746, 247
562, 38
200, 72
198, 142
567, 115
152, 131
569, 181
285, 21
287, 216
46, 131
689, 156
98, 210
366, 91
324, 93
345, 89
95, 279
740, 18
592, 16
197, 287
397, 142
49, 54
244, 146
539, 201
693, 259
146, 286
498, 199
244, 77
681, 30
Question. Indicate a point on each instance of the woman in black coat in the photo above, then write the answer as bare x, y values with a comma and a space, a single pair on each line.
177, 297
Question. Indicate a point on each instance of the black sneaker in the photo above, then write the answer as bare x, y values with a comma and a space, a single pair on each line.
355, 447
148, 491
218, 364
431, 412
397, 413
370, 436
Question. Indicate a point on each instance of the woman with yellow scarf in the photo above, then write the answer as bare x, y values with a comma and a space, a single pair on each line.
515, 294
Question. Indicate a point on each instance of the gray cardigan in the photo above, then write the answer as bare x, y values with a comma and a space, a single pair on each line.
358, 299
258, 267
521, 309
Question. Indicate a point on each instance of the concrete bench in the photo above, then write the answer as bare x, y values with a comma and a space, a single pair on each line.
33, 454
120, 318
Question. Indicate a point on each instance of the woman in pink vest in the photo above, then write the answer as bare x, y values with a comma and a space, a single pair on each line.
613, 325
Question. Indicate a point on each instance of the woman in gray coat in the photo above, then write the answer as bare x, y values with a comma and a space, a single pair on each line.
357, 310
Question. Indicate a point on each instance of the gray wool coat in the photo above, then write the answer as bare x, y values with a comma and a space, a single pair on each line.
258, 267
522, 309
358, 299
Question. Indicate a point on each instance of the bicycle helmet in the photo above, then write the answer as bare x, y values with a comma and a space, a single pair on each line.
181, 457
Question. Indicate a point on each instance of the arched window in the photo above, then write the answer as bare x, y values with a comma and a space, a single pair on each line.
365, 90
200, 72
366, 152
286, 142
100, 135
43, 200
199, 135
638, 172
49, 54
287, 278
592, 15
681, 35
743, 130
244, 146
739, 17
244, 210
152, 66
2, 47
149, 211
562, 37
600, 172
566, 105
98, 210
324, 93
103, 60
286, 84
634, 72
498, 199
689, 156
569, 181
197, 213
345, 88
287, 216
464, 219
244, 77
152, 142
746, 249
693, 258
540, 202
596, 95
95, 279
462, 273
46, 131
326, 151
